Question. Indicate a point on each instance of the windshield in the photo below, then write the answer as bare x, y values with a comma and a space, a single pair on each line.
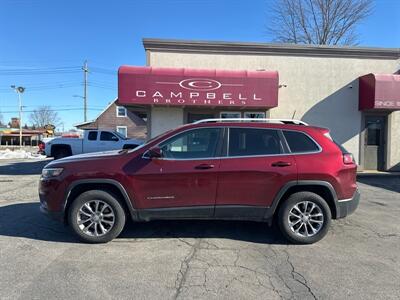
151, 140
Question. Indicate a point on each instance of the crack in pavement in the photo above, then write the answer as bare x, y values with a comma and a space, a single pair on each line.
183, 271
294, 272
376, 233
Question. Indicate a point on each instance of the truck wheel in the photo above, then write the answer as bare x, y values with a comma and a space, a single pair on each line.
96, 217
60, 153
129, 146
304, 218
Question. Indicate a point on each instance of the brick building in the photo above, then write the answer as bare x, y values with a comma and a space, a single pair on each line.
117, 118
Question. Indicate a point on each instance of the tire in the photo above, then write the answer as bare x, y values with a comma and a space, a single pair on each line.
129, 146
106, 227
304, 225
61, 153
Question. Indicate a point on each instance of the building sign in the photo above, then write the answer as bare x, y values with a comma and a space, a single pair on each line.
191, 87
379, 91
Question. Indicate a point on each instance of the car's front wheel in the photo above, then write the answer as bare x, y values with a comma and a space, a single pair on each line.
96, 216
304, 218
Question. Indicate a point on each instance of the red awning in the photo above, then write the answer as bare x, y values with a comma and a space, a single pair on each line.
197, 87
379, 91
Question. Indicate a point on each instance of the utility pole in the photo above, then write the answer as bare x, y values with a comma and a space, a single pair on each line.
85, 75
19, 90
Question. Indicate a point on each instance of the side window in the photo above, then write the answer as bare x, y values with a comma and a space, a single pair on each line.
299, 142
197, 143
92, 136
252, 141
108, 136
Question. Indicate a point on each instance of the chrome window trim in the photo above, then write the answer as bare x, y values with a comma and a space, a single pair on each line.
243, 156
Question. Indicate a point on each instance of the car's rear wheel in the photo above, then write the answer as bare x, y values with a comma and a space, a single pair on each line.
96, 216
304, 218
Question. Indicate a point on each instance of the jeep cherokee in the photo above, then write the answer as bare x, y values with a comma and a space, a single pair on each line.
264, 170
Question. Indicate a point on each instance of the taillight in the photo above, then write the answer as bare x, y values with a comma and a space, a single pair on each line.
348, 159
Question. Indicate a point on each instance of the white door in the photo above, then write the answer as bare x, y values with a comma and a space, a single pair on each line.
91, 144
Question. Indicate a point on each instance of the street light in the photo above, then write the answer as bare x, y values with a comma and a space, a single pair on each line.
19, 90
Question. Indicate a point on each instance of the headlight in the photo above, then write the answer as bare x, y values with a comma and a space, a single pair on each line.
51, 172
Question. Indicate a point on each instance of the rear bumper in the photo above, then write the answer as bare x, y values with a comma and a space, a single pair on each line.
346, 207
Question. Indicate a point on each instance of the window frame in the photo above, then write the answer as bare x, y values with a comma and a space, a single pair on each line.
218, 150
117, 111
124, 127
306, 134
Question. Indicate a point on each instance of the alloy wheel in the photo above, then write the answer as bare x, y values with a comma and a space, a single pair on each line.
95, 218
306, 218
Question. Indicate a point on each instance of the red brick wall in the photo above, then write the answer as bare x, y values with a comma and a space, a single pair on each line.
136, 127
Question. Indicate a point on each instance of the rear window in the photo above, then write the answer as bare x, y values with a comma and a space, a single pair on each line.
92, 136
299, 142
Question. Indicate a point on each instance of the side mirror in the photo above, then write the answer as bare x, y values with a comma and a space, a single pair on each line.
154, 152
114, 138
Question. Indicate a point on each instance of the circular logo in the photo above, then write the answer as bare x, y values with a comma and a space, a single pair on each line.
200, 84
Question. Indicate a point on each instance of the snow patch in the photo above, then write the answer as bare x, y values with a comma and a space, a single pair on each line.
19, 154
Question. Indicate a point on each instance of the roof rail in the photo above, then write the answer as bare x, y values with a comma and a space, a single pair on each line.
266, 120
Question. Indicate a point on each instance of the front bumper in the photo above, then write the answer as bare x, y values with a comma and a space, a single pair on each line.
55, 215
346, 207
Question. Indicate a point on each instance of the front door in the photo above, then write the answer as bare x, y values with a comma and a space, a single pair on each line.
185, 177
374, 143
253, 172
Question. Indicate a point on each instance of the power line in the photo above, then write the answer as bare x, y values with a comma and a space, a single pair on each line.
42, 88
39, 71
54, 110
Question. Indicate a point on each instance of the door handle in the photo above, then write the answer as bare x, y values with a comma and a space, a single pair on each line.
281, 164
204, 167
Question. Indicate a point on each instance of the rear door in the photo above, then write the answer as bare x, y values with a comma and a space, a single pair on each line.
254, 170
90, 142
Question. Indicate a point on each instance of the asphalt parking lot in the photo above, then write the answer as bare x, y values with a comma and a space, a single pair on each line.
39, 258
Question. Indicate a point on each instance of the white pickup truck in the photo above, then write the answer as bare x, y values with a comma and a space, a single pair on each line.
92, 141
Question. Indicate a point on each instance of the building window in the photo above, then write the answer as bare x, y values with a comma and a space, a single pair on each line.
254, 114
123, 130
121, 111
230, 114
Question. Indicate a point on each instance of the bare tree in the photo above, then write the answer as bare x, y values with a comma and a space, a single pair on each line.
320, 22
43, 116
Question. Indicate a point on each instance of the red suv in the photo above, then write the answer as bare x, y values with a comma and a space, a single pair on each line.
266, 170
